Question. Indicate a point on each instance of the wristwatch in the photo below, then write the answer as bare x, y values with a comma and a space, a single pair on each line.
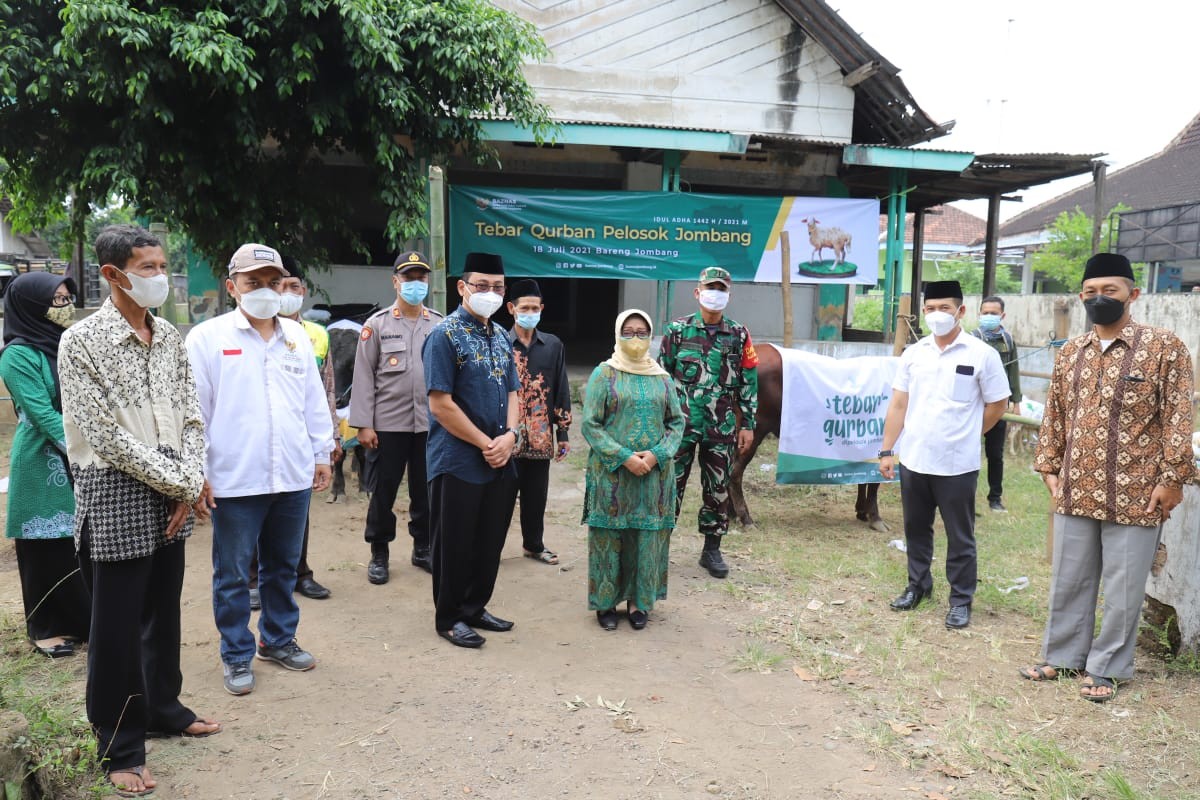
516, 436
883, 453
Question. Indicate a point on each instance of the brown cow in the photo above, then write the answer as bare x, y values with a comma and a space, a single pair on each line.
770, 408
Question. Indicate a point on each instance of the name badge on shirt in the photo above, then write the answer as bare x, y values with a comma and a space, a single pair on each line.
292, 363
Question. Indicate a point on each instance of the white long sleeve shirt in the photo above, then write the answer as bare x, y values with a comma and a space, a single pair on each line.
265, 412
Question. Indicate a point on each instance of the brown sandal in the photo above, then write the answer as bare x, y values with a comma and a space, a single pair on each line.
1098, 682
1046, 672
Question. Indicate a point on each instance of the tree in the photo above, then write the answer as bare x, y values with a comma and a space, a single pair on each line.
216, 116
58, 234
970, 275
1070, 246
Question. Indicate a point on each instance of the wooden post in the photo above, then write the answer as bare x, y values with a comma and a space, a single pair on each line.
918, 254
902, 325
990, 245
1099, 170
1062, 327
785, 281
437, 239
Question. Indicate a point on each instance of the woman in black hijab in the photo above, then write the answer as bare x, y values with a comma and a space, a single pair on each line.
38, 306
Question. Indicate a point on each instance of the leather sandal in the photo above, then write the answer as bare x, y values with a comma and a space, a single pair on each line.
1047, 672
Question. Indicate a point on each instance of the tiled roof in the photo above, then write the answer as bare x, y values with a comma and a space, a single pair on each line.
943, 225
1171, 177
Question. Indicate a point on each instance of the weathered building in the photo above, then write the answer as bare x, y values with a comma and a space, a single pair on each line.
1161, 226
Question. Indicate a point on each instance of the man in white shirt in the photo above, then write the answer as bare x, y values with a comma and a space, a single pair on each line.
269, 442
950, 389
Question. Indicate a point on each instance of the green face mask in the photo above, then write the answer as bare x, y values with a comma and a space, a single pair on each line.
62, 316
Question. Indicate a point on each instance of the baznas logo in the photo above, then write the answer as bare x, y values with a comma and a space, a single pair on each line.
483, 203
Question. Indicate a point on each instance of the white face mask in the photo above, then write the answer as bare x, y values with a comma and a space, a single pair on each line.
147, 292
714, 299
290, 304
261, 303
940, 322
485, 303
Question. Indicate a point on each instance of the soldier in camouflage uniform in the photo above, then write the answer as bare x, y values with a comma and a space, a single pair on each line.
715, 369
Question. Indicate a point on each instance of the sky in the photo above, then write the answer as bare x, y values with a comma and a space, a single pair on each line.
1042, 76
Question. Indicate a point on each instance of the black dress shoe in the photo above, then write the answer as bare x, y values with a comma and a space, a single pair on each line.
462, 635
958, 617
311, 589
911, 598
714, 563
377, 570
637, 619
421, 558
607, 619
484, 619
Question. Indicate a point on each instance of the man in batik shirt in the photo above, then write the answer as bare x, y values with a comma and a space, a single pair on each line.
545, 401
1114, 450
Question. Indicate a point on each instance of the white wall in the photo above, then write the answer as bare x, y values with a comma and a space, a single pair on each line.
1030, 317
352, 283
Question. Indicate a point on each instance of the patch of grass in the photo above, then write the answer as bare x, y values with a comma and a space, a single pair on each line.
59, 746
756, 657
960, 688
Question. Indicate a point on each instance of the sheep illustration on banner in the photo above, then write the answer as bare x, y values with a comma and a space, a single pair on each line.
833, 413
827, 236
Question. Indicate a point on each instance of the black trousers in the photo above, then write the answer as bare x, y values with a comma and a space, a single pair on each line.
469, 527
133, 680
382, 474
993, 448
303, 570
57, 602
953, 496
533, 486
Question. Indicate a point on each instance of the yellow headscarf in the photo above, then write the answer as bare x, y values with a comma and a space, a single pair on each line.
644, 366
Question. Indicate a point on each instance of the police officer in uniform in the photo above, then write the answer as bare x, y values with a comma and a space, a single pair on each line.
389, 407
712, 360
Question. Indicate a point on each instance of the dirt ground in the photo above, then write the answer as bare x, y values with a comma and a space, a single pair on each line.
557, 708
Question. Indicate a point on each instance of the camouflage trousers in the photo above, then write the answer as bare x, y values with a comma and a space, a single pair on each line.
716, 463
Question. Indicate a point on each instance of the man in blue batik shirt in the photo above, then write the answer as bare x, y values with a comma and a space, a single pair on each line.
472, 384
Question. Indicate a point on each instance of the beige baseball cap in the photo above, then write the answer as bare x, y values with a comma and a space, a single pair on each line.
255, 256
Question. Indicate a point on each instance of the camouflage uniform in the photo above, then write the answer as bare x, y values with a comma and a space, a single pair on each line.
715, 374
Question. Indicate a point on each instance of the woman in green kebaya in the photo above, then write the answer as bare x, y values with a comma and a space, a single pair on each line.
633, 425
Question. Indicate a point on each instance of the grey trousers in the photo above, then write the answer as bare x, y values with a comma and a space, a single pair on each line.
1086, 551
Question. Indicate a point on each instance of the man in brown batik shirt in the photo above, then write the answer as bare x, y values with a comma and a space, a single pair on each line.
1114, 450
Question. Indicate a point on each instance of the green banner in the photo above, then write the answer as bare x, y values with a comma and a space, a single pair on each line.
665, 235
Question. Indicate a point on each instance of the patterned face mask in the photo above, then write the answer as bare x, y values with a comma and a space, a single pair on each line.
635, 348
62, 316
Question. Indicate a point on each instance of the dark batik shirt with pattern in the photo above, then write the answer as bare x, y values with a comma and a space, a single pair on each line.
1118, 423
545, 395
473, 363
135, 438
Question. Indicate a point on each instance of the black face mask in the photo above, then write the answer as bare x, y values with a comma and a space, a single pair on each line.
1103, 310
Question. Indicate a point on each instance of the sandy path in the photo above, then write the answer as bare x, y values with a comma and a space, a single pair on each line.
392, 711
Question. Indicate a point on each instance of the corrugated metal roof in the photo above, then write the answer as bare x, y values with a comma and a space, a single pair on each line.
988, 174
885, 112
1171, 177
